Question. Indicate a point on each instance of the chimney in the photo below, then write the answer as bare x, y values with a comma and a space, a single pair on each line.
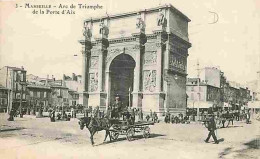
73, 77
63, 80
258, 75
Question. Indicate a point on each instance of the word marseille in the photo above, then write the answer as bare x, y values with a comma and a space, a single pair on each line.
80, 6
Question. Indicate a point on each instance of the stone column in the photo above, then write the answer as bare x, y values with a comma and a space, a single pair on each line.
86, 54
104, 44
85, 63
160, 44
108, 85
141, 40
100, 71
159, 66
137, 72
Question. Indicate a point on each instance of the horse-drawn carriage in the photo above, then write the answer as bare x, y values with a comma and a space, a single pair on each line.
222, 120
115, 127
121, 127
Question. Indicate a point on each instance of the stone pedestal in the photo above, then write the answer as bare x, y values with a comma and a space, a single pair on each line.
97, 99
137, 99
154, 102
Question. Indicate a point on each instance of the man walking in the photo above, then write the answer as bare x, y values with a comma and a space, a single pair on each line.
212, 128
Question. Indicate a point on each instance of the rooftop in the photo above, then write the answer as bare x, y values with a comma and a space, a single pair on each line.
15, 68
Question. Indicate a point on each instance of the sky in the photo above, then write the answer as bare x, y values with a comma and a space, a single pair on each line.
45, 44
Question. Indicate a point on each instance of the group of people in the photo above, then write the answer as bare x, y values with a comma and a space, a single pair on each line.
180, 118
14, 113
153, 116
60, 116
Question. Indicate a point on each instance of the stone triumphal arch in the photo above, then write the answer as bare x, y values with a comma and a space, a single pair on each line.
140, 56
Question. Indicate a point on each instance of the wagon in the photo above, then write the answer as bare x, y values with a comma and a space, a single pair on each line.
120, 127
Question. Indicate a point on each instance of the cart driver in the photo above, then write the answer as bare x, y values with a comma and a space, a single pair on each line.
117, 107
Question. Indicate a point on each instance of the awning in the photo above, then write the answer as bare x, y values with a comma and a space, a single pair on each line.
254, 104
200, 104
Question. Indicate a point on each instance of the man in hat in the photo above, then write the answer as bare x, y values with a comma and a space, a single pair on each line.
211, 128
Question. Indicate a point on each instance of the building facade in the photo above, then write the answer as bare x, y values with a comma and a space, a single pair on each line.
202, 96
3, 98
14, 79
47, 93
140, 57
38, 97
74, 84
59, 95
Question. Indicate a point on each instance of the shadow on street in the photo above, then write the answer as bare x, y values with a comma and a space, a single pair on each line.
137, 137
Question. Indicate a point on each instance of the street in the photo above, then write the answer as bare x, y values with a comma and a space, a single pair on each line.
31, 137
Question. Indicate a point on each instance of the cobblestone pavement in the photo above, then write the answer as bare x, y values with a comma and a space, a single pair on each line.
31, 137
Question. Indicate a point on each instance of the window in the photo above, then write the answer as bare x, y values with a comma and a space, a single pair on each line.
18, 96
192, 88
34, 94
192, 96
21, 77
41, 94
15, 76
31, 93
19, 87
38, 94
44, 94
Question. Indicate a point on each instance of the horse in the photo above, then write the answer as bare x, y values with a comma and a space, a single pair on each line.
94, 125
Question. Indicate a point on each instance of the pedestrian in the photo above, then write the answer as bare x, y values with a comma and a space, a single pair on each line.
248, 117
11, 115
172, 119
211, 128
142, 115
52, 116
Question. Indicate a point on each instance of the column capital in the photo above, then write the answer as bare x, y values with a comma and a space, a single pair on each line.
141, 37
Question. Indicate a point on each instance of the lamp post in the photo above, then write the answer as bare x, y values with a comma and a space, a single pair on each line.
21, 98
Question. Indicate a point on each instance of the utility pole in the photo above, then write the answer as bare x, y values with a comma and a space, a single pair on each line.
21, 98
198, 85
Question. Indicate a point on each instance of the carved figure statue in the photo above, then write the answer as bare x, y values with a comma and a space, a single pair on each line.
161, 20
87, 31
103, 31
140, 24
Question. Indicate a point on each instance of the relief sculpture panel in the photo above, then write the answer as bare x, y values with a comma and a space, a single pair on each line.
93, 82
177, 62
94, 62
150, 58
149, 80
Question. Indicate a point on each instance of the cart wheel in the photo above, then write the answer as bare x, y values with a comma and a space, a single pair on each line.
130, 134
146, 132
114, 135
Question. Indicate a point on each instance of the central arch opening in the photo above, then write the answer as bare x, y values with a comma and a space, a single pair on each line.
122, 78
